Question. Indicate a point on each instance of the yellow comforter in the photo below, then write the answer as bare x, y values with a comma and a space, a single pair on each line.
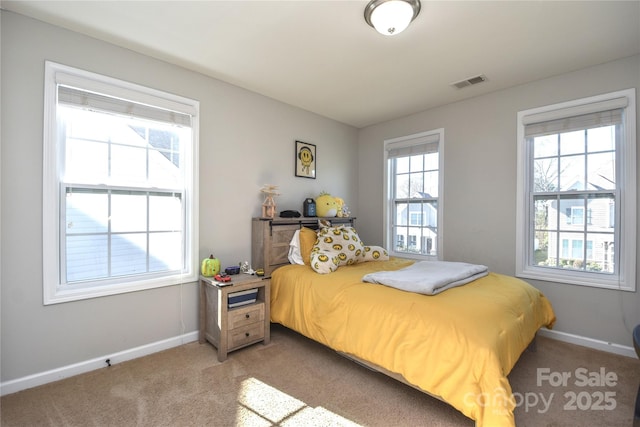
459, 345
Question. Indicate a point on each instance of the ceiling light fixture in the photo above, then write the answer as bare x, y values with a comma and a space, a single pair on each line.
391, 17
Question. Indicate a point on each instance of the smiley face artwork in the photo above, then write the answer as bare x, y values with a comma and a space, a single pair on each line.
305, 160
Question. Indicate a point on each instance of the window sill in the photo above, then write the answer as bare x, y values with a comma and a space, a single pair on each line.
56, 294
417, 257
594, 280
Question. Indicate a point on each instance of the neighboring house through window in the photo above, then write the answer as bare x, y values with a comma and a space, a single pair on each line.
414, 195
577, 192
120, 189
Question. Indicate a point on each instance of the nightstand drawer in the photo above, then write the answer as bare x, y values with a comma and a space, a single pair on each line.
246, 315
245, 335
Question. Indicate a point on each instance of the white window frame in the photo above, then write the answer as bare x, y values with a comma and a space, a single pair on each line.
624, 278
389, 214
53, 290
573, 216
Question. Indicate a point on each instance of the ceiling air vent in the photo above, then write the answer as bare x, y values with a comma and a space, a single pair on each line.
470, 81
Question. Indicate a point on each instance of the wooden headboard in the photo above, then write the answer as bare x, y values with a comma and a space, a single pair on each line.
270, 239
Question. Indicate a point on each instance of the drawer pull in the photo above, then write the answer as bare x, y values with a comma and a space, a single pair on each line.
247, 315
246, 334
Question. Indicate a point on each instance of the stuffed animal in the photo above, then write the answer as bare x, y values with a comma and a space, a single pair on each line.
343, 210
326, 205
341, 206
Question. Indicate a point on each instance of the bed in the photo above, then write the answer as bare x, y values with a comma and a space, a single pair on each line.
458, 345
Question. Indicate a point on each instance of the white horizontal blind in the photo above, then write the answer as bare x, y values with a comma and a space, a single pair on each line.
98, 102
569, 124
576, 110
413, 147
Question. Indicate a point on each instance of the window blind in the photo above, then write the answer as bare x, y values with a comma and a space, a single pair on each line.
97, 102
586, 116
413, 147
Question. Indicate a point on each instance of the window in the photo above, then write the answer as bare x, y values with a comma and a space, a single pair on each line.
120, 192
575, 215
414, 195
577, 192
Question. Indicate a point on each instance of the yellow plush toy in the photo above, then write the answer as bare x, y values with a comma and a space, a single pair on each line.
326, 205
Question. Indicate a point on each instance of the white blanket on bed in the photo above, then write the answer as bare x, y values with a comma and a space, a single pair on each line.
429, 277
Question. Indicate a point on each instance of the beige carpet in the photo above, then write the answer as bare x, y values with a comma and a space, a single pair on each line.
296, 382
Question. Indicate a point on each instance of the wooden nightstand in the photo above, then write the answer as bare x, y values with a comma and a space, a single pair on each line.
227, 328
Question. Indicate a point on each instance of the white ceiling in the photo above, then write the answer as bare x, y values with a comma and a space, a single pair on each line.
321, 55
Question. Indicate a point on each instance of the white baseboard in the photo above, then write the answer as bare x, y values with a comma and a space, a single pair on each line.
609, 347
35, 380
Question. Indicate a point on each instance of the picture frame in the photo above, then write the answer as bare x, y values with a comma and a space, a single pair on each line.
305, 160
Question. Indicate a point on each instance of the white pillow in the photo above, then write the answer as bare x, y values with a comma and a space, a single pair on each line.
295, 257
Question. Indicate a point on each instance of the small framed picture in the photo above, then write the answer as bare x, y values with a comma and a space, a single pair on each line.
306, 160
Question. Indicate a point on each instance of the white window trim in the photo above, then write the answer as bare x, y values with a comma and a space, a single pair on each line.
388, 193
53, 292
626, 232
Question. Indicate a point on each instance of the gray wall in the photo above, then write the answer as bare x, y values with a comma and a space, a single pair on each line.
246, 140
480, 188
